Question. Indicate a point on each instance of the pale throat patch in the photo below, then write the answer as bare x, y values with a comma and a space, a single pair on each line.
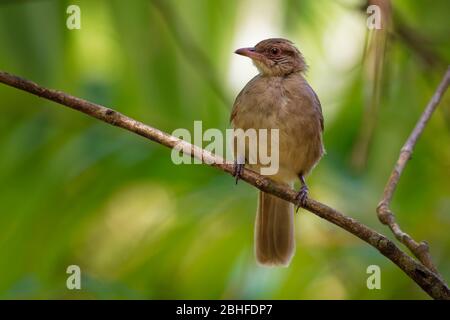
262, 68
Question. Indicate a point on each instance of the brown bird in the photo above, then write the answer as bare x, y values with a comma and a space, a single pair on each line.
280, 98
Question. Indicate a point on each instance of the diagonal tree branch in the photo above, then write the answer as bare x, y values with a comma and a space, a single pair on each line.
385, 215
429, 281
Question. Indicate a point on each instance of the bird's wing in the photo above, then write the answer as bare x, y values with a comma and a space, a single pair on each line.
317, 105
237, 102
235, 108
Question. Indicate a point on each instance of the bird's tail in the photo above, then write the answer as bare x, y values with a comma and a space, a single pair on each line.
274, 231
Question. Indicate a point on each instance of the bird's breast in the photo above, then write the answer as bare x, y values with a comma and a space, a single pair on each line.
270, 104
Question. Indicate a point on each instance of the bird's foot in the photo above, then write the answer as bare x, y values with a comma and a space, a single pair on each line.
238, 169
301, 197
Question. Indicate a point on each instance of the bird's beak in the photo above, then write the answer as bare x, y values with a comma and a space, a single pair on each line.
249, 52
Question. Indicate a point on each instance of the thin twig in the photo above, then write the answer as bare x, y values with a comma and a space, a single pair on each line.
426, 279
386, 216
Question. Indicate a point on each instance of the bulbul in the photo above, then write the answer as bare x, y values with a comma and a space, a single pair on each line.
280, 98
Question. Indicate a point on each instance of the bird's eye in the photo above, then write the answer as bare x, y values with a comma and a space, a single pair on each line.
274, 51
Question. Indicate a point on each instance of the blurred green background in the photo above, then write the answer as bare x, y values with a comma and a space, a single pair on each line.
76, 191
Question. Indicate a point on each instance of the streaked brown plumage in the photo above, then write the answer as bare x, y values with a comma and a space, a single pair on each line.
280, 98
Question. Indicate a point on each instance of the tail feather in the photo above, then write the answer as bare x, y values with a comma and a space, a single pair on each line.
274, 231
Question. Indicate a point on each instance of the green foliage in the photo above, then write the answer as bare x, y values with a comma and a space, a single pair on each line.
76, 191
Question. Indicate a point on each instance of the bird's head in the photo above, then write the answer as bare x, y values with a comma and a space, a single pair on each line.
275, 57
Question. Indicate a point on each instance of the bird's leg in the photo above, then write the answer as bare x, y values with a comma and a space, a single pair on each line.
302, 194
238, 168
